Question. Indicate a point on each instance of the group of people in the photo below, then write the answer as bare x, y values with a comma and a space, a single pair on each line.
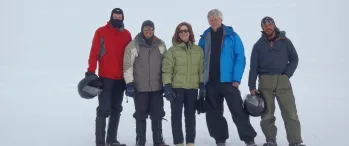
212, 70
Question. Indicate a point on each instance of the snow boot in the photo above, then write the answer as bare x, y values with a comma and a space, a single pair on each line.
251, 143
115, 144
296, 144
141, 127
113, 130
220, 144
190, 144
270, 142
156, 126
180, 144
100, 131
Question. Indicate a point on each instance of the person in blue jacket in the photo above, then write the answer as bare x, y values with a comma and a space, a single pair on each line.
224, 65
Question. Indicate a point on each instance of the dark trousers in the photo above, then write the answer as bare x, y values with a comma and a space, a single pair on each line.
149, 104
186, 98
216, 122
110, 105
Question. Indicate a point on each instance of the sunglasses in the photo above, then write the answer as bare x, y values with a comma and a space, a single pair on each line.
183, 31
148, 29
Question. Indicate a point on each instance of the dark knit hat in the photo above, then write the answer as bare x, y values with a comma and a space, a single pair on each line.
117, 11
266, 20
147, 23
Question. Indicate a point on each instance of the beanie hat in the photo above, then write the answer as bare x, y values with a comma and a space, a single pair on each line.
147, 23
266, 20
117, 11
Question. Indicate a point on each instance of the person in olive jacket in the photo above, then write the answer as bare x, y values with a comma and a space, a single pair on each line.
182, 76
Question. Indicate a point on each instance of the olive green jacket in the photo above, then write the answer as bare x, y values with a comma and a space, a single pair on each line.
182, 66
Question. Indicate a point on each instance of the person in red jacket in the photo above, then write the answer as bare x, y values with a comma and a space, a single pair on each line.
108, 46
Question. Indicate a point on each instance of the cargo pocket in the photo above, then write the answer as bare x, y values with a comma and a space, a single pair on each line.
283, 83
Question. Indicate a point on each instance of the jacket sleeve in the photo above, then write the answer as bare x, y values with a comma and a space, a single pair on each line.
92, 61
240, 60
168, 67
201, 66
202, 44
254, 64
129, 59
293, 59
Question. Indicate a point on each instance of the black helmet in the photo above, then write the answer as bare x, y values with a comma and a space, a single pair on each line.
254, 105
89, 87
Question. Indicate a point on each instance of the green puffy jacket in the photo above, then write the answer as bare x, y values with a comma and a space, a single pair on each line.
182, 66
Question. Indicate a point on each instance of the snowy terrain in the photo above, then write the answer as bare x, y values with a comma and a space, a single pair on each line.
45, 45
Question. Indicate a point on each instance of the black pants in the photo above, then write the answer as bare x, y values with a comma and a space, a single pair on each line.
149, 104
186, 97
110, 105
216, 122
110, 100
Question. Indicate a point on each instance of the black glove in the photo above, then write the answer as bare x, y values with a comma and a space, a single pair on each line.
89, 74
98, 83
170, 95
130, 89
202, 92
200, 103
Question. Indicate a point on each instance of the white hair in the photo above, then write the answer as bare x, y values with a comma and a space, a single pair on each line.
216, 13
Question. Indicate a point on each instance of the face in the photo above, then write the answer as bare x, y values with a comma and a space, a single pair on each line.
148, 31
214, 22
117, 16
269, 29
183, 33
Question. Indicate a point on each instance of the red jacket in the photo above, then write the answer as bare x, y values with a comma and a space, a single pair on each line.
108, 48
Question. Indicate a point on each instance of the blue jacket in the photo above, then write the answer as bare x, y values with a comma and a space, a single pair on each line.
232, 59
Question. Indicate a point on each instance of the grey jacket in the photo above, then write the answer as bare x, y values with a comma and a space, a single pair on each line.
143, 63
273, 58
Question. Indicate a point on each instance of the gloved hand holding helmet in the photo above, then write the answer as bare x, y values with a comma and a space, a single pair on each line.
90, 86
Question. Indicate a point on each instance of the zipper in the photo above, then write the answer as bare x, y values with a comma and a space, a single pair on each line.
189, 71
149, 68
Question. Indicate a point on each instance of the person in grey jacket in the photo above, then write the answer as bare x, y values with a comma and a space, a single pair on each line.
274, 60
142, 72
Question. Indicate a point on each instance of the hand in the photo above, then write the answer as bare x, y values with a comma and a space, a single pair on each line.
89, 74
285, 75
202, 92
236, 84
254, 91
130, 90
98, 83
170, 95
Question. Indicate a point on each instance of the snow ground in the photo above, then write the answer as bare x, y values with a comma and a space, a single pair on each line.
45, 45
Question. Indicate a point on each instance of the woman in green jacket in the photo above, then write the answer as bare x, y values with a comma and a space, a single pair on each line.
182, 76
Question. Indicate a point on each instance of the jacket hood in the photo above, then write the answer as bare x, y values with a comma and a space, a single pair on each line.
140, 40
228, 30
282, 33
182, 44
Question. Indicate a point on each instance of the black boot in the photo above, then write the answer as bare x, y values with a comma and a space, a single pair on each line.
141, 127
100, 131
113, 131
270, 142
156, 126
